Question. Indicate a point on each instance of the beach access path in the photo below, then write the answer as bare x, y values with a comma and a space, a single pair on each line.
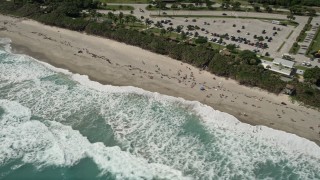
115, 63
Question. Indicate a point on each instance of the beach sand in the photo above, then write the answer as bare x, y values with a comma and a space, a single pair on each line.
114, 63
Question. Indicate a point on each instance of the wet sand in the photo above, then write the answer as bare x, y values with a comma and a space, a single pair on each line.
114, 63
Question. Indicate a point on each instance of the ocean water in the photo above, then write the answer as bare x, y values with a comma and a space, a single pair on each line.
59, 125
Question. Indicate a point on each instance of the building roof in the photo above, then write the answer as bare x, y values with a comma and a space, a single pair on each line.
275, 68
300, 72
283, 62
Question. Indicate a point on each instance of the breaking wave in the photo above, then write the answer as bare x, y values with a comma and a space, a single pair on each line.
51, 117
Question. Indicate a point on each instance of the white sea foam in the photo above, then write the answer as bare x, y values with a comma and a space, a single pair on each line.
211, 117
51, 143
151, 127
6, 43
290, 145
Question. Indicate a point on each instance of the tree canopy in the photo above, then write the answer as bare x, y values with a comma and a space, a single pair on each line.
243, 66
312, 75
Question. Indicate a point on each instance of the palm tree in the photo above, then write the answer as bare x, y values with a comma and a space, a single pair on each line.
121, 17
162, 32
127, 19
92, 13
148, 22
110, 15
133, 19
158, 2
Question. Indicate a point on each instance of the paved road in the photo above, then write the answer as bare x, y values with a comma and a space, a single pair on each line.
183, 12
300, 57
310, 35
302, 20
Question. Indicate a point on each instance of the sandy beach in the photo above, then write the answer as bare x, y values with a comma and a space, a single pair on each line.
111, 62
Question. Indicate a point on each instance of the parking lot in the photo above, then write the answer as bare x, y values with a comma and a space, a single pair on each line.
242, 32
215, 27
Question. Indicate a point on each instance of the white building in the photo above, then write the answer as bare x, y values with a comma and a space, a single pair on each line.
279, 65
300, 72
275, 22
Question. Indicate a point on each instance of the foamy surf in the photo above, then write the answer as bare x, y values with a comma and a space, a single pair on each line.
50, 143
155, 131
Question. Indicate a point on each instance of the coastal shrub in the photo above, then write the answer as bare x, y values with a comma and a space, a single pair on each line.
306, 94
242, 67
312, 75
201, 40
28, 10
7, 7
286, 3
77, 24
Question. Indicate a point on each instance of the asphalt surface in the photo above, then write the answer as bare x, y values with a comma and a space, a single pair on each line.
225, 25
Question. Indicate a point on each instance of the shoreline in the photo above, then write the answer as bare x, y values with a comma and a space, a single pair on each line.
20, 49
99, 58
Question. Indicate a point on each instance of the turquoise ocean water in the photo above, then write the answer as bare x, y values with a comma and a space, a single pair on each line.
59, 125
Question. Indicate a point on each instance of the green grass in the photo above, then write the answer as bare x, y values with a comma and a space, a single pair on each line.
281, 46
174, 35
289, 34
304, 35
267, 58
315, 44
301, 67
204, 8
210, 44
309, 27
153, 30
117, 7
243, 2
156, 31
246, 8
294, 49
216, 46
137, 26
125, 1
212, 16
289, 23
